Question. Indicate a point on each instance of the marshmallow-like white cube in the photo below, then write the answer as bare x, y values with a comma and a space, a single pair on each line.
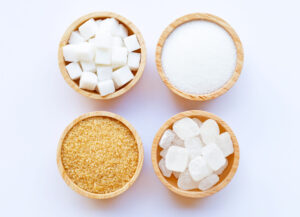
199, 168
117, 41
163, 168
208, 182
186, 128
104, 73
103, 41
225, 143
198, 122
88, 81
99, 21
213, 156
194, 146
163, 153
209, 131
108, 26
106, 87
119, 56
92, 41
74, 70
103, 56
167, 138
88, 29
134, 60
177, 159
176, 174
185, 181
79, 52
221, 170
121, 31
122, 76
75, 38
132, 43
88, 66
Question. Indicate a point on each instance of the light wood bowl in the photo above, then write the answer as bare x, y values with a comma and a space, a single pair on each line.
225, 177
223, 24
75, 187
132, 29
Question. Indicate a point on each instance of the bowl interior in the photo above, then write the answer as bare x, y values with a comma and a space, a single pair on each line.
83, 192
225, 177
131, 30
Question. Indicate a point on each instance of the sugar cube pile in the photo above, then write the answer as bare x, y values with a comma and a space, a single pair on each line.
102, 56
195, 153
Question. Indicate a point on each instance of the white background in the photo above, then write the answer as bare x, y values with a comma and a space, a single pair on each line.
262, 109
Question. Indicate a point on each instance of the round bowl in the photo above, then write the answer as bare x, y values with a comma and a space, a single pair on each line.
225, 177
75, 187
210, 18
132, 29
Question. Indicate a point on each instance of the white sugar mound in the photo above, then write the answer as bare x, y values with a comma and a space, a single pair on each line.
199, 57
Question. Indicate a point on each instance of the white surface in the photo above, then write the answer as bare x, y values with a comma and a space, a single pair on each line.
199, 57
262, 109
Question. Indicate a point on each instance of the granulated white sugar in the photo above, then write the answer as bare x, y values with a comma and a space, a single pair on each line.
199, 57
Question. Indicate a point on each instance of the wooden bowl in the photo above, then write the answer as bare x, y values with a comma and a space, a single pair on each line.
225, 177
132, 29
75, 187
223, 24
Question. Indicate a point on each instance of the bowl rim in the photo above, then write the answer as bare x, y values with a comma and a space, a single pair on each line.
195, 194
75, 187
99, 15
211, 18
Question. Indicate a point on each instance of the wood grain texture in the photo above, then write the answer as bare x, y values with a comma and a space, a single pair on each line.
79, 190
225, 177
223, 24
132, 29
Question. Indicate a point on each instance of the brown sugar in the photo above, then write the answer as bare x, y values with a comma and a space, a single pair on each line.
100, 154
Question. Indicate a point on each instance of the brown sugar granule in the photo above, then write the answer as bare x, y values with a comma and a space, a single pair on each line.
100, 154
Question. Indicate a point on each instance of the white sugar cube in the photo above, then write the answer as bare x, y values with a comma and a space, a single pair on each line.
185, 181
221, 170
88, 29
88, 66
131, 43
74, 70
103, 41
103, 56
225, 144
199, 169
177, 159
122, 76
194, 146
106, 87
213, 156
104, 73
108, 26
134, 60
198, 122
75, 38
121, 31
185, 128
99, 21
167, 139
163, 153
88, 81
208, 182
176, 174
163, 168
119, 56
79, 52
117, 41
209, 131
